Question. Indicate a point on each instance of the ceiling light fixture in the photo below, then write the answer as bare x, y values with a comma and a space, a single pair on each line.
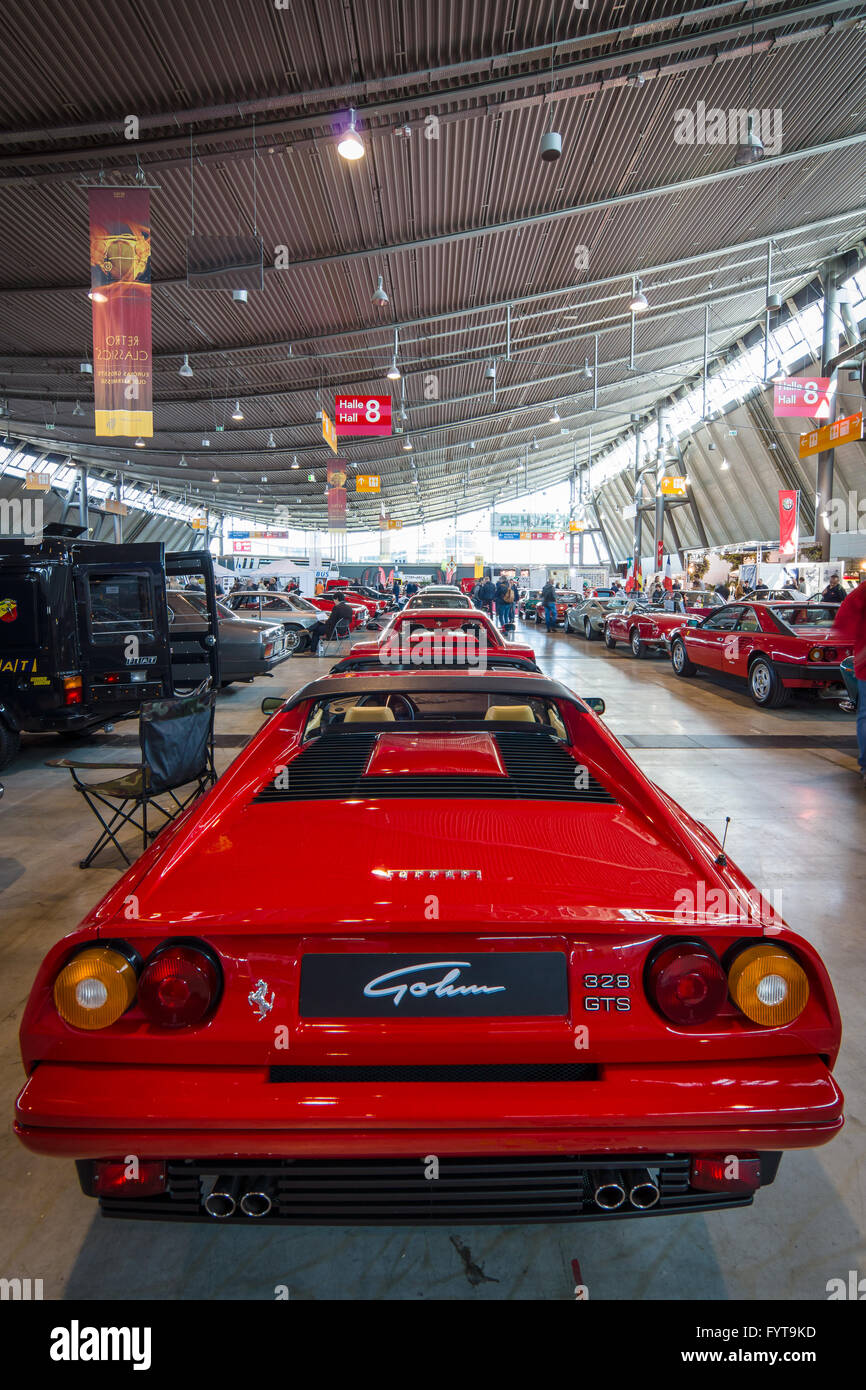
237, 413
185, 369
750, 150
555, 417
295, 463
214, 479
393, 372
98, 296
77, 409
182, 463
638, 303
380, 295
407, 444
350, 145
587, 370
272, 443
239, 296
139, 443
85, 368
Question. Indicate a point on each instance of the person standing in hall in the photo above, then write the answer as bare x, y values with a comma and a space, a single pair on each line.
548, 598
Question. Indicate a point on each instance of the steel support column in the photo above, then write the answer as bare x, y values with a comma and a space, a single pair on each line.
827, 460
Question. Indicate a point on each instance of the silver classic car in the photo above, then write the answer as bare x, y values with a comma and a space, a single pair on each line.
296, 614
587, 617
247, 647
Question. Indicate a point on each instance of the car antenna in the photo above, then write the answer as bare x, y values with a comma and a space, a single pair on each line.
721, 857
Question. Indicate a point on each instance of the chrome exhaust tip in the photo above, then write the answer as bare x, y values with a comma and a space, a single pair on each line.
643, 1191
255, 1204
607, 1190
221, 1201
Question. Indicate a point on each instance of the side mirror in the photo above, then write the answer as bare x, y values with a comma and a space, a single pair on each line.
271, 703
595, 702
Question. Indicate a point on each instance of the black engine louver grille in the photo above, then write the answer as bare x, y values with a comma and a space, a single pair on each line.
539, 769
474, 1072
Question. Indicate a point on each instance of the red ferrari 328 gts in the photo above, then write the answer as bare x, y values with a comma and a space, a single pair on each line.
590, 1014
439, 637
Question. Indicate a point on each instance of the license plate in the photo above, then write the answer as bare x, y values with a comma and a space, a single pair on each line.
446, 984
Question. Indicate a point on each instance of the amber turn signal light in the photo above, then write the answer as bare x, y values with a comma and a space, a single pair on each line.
768, 985
95, 988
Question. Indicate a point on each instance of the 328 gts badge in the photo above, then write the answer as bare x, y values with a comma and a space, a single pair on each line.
606, 1003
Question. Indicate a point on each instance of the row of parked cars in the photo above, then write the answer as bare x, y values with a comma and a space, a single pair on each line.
570, 1043
777, 643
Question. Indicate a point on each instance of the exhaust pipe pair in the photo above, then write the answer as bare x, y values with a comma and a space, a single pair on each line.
228, 1195
610, 1189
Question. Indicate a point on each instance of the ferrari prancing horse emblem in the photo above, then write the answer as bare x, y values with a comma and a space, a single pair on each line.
258, 999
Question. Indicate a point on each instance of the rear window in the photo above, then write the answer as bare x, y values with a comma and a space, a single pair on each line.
797, 615
119, 603
467, 709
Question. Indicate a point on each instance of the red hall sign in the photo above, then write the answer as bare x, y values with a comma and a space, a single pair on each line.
362, 415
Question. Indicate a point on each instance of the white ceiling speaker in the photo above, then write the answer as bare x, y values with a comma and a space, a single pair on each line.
551, 146
239, 296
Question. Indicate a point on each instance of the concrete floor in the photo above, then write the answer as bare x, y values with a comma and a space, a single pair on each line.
797, 811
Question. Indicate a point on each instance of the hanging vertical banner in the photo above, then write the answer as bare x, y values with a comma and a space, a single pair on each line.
120, 295
788, 518
336, 496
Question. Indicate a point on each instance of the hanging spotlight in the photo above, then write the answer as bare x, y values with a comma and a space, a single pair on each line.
185, 369
407, 444
272, 443
264, 477
724, 466
182, 463
638, 302
295, 463
77, 410
535, 443
139, 443
380, 297
752, 148
214, 479
555, 417
587, 370
393, 372
205, 443
350, 144
237, 413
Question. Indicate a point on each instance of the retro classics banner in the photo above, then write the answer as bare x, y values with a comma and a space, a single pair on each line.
337, 496
120, 294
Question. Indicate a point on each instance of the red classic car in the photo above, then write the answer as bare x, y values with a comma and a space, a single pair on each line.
439, 637
589, 1014
563, 603
372, 602
775, 647
647, 627
360, 612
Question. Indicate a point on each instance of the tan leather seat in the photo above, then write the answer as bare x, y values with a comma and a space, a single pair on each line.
369, 714
517, 714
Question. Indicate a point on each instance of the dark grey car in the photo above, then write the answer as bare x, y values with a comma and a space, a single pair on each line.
248, 646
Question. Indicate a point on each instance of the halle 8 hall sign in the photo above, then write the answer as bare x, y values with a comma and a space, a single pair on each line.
362, 415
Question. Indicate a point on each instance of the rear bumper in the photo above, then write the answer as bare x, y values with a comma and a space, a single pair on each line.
799, 673
100, 1111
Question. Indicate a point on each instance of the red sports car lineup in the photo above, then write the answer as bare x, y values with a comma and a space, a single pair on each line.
594, 1015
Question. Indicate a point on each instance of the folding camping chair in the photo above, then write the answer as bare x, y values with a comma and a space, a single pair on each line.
176, 738
339, 635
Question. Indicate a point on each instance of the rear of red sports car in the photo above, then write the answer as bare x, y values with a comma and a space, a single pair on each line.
502, 978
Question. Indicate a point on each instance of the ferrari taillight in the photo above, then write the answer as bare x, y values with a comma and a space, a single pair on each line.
686, 982
95, 988
179, 986
768, 985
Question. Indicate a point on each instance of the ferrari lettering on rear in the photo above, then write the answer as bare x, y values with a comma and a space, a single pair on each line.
392, 983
